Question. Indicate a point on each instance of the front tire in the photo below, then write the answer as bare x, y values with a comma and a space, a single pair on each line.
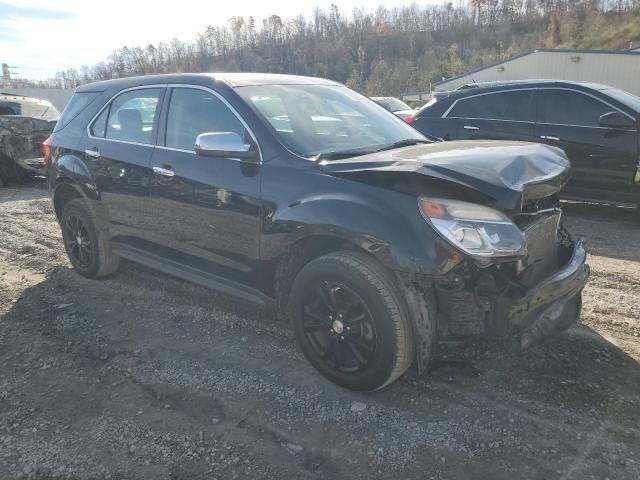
351, 321
87, 247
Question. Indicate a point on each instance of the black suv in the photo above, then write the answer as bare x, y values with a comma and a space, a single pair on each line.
596, 125
300, 193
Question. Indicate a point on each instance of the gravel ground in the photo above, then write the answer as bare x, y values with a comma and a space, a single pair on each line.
146, 377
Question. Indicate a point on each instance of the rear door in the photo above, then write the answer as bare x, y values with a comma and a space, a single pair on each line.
505, 115
117, 150
601, 158
205, 210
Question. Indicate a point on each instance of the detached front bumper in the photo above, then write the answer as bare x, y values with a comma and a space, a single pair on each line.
550, 306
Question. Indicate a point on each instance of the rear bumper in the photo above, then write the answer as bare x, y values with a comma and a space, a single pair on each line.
552, 305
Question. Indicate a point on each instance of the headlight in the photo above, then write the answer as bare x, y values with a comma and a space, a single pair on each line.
474, 229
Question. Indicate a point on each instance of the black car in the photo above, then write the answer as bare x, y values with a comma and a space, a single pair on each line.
300, 193
596, 125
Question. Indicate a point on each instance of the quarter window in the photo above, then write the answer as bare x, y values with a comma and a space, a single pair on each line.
99, 127
566, 107
130, 117
77, 103
194, 111
513, 105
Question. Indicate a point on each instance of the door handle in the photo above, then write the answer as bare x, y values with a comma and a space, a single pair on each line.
549, 137
165, 172
470, 127
93, 153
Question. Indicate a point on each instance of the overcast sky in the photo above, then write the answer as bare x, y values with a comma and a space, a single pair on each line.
40, 37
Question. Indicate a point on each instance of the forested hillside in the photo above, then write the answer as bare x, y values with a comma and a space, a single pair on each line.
388, 51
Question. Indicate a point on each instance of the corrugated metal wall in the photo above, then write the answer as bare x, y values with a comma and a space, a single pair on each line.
618, 70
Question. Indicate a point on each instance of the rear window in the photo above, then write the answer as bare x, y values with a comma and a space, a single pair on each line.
10, 108
77, 103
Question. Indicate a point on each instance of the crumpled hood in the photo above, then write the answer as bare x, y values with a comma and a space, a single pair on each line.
508, 172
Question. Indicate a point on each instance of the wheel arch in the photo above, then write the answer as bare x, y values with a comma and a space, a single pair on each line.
415, 291
63, 192
299, 254
66, 189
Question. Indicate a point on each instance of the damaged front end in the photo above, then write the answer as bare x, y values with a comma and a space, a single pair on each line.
21, 140
519, 301
515, 272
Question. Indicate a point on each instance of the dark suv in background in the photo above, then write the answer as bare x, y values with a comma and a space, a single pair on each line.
298, 192
596, 126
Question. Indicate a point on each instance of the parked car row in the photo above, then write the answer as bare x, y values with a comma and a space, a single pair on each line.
395, 106
376, 242
595, 125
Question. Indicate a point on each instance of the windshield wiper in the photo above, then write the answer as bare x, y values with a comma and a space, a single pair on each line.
403, 143
338, 154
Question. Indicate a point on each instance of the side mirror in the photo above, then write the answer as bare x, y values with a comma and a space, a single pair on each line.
224, 144
616, 120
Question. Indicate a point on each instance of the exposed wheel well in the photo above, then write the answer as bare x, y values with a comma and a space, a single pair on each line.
63, 195
301, 253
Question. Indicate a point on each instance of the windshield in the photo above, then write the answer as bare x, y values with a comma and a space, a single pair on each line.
624, 97
392, 104
313, 120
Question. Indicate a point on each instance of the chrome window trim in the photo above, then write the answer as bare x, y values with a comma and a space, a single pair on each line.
108, 103
181, 150
536, 123
224, 101
446, 113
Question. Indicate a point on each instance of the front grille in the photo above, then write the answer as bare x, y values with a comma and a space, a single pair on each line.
542, 248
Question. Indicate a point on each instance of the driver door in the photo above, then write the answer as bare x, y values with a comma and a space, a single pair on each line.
601, 158
205, 210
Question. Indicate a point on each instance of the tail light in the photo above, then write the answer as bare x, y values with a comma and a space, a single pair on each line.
410, 119
46, 150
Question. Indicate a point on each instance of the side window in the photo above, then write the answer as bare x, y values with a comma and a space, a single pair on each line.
130, 117
513, 105
99, 127
192, 112
566, 107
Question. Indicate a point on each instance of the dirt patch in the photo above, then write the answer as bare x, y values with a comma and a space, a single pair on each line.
142, 376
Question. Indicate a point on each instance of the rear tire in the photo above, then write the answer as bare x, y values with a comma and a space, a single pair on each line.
87, 247
351, 321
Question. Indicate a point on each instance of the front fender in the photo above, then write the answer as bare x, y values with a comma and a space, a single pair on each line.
387, 226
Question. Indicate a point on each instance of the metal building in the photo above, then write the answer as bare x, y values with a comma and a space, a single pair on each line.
618, 68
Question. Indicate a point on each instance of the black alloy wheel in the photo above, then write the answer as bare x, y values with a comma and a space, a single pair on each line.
88, 247
339, 327
79, 245
351, 321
